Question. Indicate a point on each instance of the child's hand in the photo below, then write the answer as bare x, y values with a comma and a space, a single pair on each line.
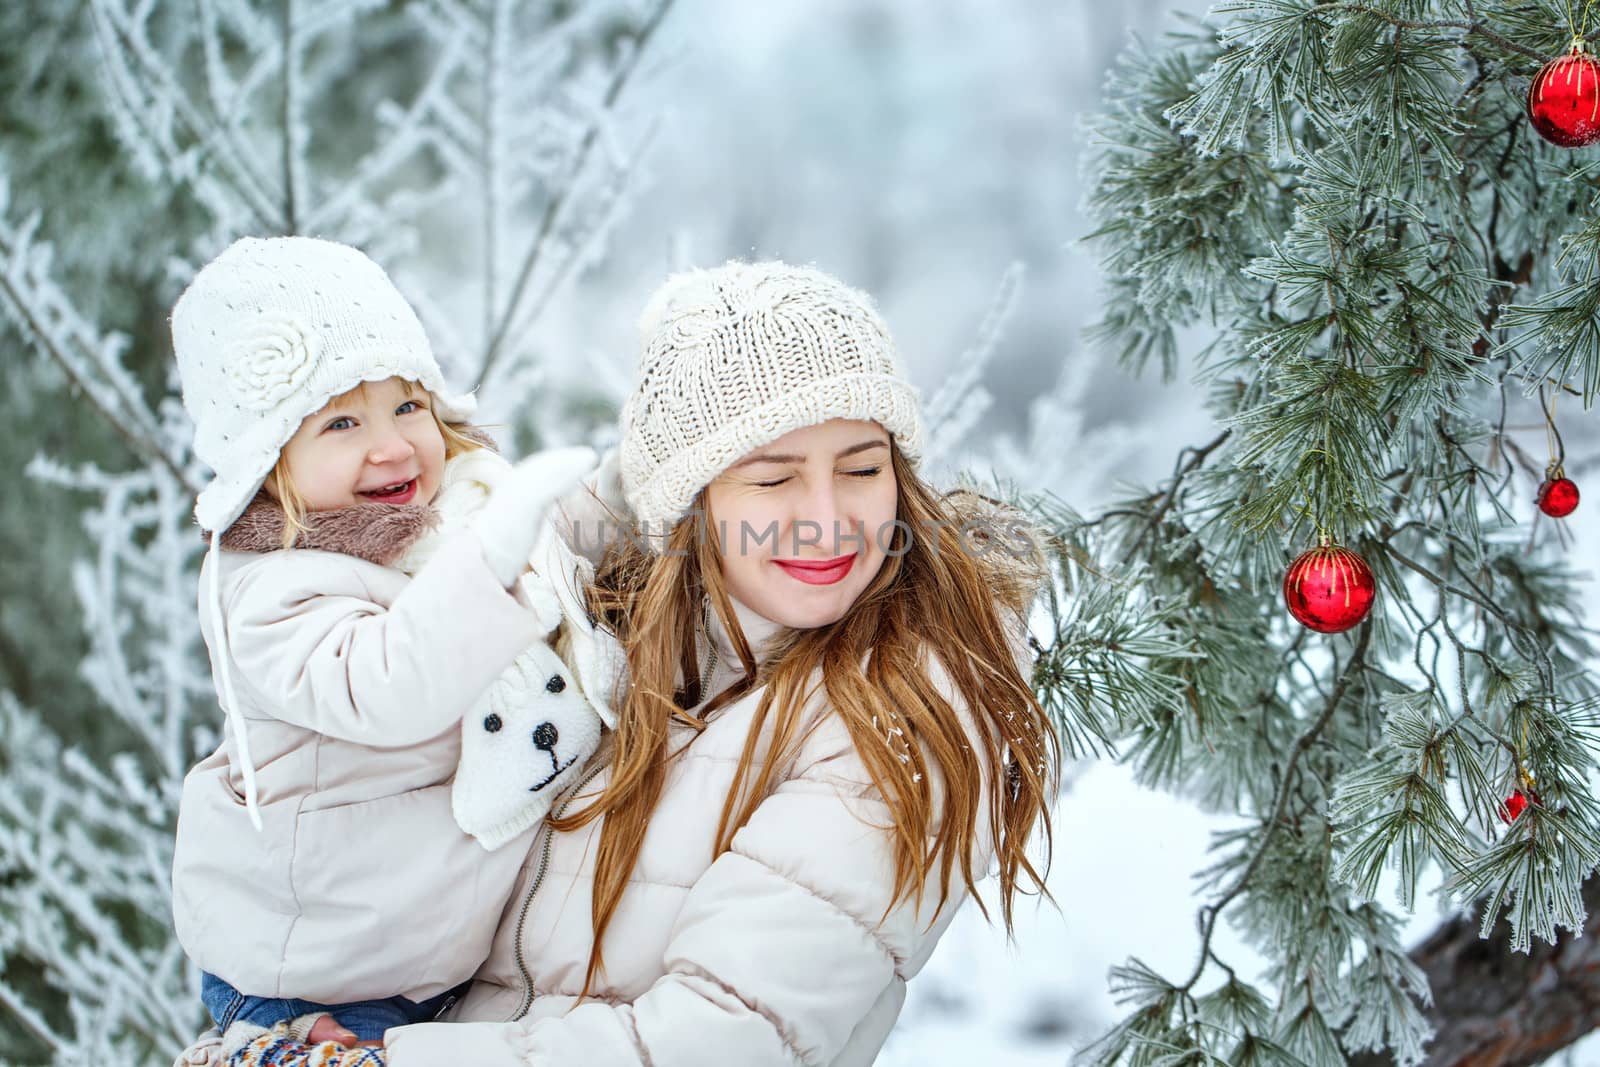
277, 1047
327, 1028
510, 522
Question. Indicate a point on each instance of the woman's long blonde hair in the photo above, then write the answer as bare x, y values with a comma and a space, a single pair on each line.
932, 596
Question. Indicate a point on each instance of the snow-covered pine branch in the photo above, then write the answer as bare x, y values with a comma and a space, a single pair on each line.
91, 358
1349, 197
518, 130
85, 847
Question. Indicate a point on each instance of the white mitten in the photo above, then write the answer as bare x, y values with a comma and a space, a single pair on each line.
529, 736
511, 521
468, 481
589, 517
594, 655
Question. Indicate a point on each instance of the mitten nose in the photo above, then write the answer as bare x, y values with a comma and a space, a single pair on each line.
545, 736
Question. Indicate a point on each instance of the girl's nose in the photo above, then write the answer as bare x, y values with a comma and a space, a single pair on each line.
392, 447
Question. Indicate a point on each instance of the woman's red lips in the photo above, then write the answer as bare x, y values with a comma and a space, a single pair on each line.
817, 571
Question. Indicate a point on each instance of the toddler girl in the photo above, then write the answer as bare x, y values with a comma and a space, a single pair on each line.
318, 867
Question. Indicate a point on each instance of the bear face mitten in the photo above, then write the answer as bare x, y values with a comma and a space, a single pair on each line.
534, 729
530, 736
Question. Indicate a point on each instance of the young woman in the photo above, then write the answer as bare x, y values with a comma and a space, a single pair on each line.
829, 736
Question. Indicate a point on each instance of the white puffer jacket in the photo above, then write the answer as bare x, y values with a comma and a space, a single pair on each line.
352, 677
770, 954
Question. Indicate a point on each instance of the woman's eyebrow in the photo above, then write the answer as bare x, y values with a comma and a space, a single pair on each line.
785, 457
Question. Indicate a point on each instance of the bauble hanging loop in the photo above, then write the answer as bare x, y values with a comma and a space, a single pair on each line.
1564, 100
1329, 589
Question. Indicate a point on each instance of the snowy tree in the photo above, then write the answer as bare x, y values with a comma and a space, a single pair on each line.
1400, 279
499, 119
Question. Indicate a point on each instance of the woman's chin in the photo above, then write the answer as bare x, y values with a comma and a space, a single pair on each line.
805, 608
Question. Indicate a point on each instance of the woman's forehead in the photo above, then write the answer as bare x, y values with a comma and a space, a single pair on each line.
827, 440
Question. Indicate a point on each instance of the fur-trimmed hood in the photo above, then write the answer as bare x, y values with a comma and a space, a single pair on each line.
1009, 545
377, 533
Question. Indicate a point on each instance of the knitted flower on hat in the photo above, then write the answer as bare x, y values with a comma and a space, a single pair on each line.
268, 333
736, 357
270, 360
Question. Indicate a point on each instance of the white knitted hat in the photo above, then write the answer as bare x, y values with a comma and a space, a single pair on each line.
736, 357
269, 332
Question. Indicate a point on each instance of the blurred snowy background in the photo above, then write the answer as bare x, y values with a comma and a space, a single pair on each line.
927, 151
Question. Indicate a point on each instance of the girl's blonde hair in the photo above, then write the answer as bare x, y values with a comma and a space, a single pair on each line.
457, 439
931, 598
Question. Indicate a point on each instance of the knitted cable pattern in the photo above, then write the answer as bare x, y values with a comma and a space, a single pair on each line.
736, 357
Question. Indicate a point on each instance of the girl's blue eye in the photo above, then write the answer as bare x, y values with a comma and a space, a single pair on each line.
335, 424
412, 405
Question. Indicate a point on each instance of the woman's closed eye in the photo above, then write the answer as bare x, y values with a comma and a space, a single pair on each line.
868, 472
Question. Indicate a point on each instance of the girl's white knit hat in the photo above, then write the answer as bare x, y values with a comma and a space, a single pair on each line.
269, 332
736, 357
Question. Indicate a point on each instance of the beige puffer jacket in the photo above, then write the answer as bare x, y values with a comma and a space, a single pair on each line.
352, 678
770, 954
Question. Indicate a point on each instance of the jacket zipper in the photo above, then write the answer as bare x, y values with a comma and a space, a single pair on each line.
538, 879
710, 672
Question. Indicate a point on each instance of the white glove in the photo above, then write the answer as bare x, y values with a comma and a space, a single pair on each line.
510, 522
524, 742
588, 517
606, 482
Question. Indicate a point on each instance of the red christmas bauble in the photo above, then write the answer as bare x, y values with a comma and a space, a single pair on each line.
1564, 100
1558, 497
1516, 804
1329, 589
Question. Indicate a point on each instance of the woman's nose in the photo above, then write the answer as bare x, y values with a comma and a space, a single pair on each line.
820, 520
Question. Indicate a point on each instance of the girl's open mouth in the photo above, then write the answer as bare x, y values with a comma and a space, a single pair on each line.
398, 493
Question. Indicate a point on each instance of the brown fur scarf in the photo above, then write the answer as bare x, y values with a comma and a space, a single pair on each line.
377, 533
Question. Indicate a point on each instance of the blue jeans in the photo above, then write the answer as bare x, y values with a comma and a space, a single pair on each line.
367, 1019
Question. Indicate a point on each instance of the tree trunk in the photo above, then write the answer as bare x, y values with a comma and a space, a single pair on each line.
1496, 1008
